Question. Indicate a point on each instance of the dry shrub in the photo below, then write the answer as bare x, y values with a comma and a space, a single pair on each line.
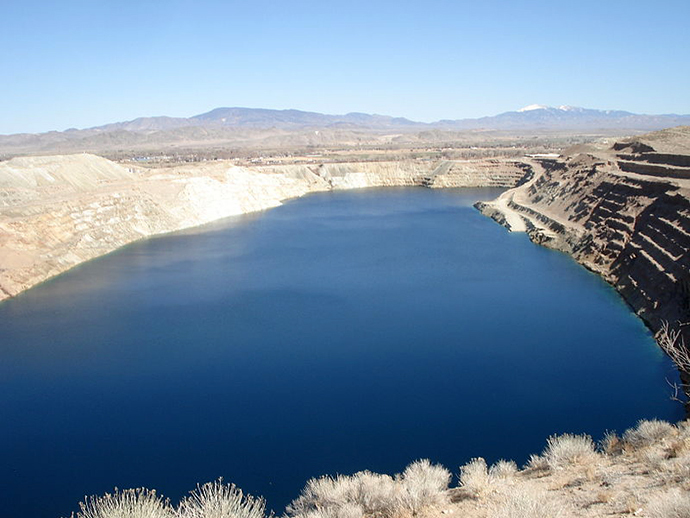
478, 479
671, 504
373, 494
503, 469
218, 500
678, 446
675, 470
568, 449
424, 485
377, 495
537, 463
127, 503
652, 458
474, 477
525, 502
420, 486
648, 432
684, 429
611, 444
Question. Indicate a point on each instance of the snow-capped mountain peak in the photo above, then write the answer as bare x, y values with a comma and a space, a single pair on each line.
566, 108
533, 107
563, 108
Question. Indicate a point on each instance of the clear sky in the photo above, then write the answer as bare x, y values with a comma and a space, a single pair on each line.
78, 64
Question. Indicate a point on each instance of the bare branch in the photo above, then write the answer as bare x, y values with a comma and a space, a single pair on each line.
673, 344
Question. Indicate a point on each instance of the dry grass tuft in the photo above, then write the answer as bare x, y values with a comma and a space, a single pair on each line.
648, 432
678, 446
503, 469
683, 429
611, 444
675, 471
525, 502
671, 504
127, 503
567, 450
218, 500
537, 463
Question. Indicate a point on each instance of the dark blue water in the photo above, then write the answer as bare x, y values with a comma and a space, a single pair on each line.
340, 332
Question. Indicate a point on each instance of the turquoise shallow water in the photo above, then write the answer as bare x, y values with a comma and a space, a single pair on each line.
339, 332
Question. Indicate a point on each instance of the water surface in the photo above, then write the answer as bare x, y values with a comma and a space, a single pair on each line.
339, 332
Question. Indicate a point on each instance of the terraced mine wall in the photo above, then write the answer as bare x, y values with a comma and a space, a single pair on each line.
631, 225
57, 212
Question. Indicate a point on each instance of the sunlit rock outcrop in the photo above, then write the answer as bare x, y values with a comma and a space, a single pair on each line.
57, 212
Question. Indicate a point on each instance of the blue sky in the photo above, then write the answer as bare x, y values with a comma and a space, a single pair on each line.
85, 63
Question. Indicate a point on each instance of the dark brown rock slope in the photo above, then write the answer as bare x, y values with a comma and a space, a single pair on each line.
623, 212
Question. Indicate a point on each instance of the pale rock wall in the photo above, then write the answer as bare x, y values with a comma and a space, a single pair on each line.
481, 173
57, 212
373, 174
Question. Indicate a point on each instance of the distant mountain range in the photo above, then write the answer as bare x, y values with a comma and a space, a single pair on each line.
259, 118
542, 117
249, 126
535, 116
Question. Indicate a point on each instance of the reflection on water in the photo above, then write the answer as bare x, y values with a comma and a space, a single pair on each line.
340, 332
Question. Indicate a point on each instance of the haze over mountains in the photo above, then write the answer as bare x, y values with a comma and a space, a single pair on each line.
251, 127
260, 118
530, 117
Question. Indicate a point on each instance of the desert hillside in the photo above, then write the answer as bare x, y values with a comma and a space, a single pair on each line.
643, 472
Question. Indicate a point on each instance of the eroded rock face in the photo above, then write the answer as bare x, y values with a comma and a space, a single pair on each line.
57, 212
630, 224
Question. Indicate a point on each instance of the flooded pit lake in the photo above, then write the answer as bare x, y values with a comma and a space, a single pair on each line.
336, 333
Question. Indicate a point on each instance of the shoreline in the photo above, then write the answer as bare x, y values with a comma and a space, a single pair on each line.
58, 212
631, 229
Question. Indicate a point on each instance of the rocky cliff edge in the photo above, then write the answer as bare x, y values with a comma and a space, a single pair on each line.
623, 211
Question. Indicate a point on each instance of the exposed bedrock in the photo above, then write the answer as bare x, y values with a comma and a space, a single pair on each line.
629, 224
57, 212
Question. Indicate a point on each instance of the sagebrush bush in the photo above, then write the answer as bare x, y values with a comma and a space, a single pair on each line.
537, 462
610, 443
373, 494
648, 432
218, 500
503, 469
424, 485
127, 503
322, 492
568, 449
377, 495
671, 504
479, 479
474, 476
420, 486
683, 429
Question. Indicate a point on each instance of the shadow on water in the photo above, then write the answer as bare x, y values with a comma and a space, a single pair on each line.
339, 332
